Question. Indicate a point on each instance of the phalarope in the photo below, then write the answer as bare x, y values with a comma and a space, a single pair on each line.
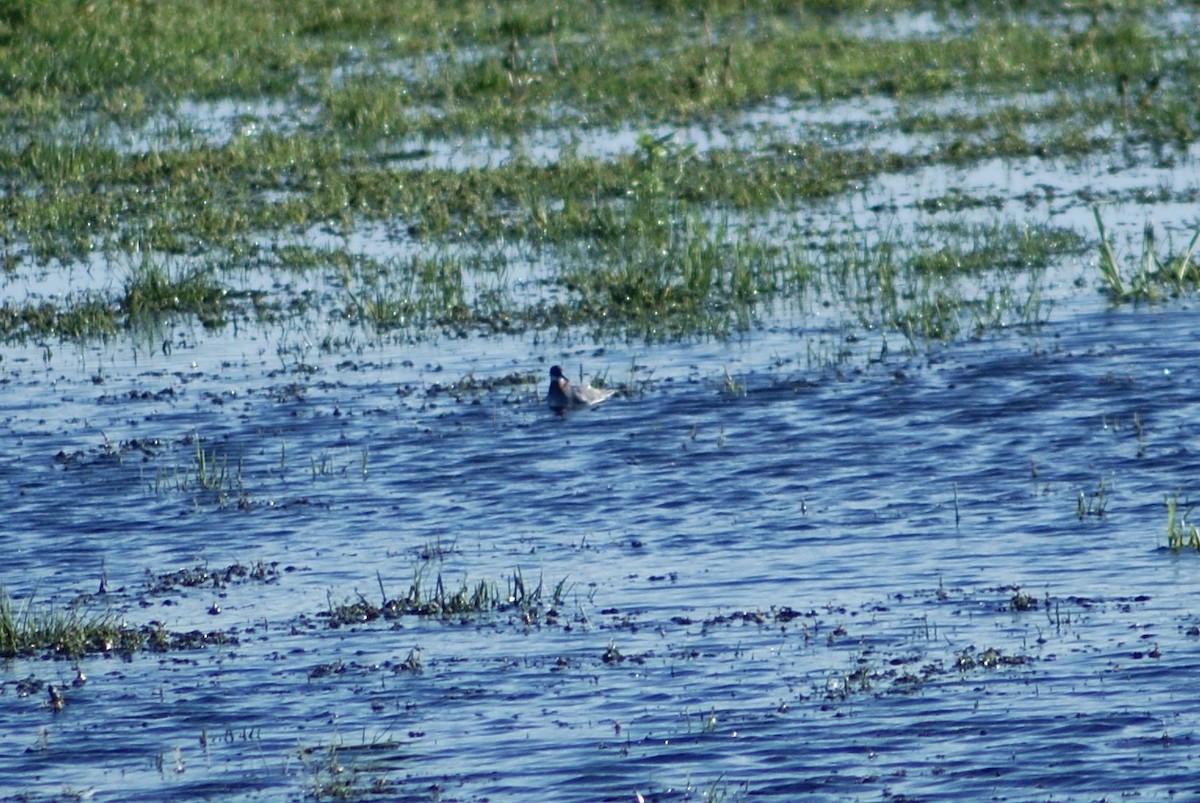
564, 396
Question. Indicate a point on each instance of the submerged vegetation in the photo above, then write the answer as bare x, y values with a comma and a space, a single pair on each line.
120, 152
76, 629
532, 604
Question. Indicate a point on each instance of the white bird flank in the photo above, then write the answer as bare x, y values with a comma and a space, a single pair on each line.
565, 396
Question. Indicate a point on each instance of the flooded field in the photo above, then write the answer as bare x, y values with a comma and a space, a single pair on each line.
893, 501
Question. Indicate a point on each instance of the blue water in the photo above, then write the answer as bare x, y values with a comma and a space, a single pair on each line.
792, 570
808, 572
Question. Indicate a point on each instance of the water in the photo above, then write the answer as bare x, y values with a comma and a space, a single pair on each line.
809, 575
792, 570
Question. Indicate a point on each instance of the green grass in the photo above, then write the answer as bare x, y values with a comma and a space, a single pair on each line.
664, 241
77, 319
590, 211
72, 632
663, 284
668, 65
500, 61
473, 64
209, 477
347, 772
953, 280
153, 289
64, 632
1180, 533
532, 604
1153, 276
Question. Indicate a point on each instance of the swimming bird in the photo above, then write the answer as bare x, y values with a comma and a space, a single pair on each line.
57, 701
565, 396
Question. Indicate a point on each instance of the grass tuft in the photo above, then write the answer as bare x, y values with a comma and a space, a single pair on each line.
533, 604
1153, 275
62, 632
152, 290
1180, 533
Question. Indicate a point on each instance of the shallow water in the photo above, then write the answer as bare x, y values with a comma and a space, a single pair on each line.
793, 569
802, 571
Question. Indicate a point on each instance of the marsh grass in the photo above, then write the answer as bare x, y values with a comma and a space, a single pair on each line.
75, 318
1094, 504
72, 631
672, 64
1153, 275
346, 772
532, 604
1180, 533
539, 52
994, 246
661, 242
691, 278
207, 476
66, 632
953, 279
212, 471
416, 294
154, 289
150, 293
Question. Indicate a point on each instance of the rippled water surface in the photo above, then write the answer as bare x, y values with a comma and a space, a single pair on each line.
814, 562
780, 581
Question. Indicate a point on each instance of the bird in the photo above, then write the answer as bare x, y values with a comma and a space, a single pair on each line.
564, 396
57, 701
